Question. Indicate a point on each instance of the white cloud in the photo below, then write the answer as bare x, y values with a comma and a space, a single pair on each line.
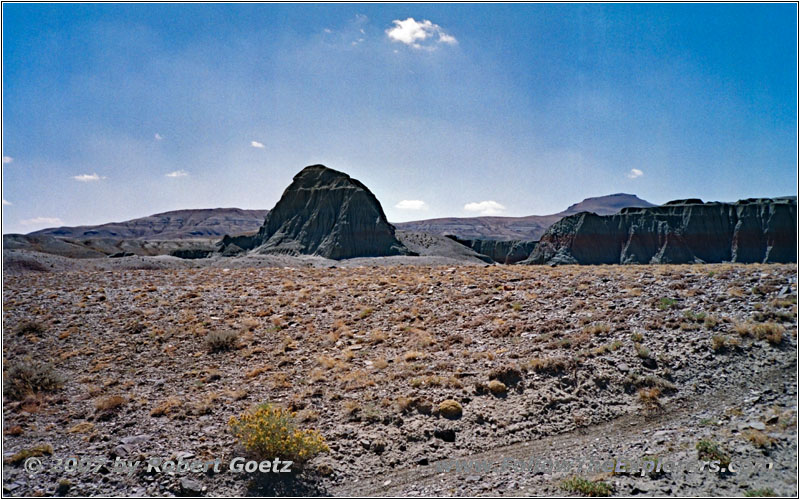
6, 202
88, 177
257, 144
7, 159
42, 221
634, 173
411, 205
177, 173
420, 35
159, 137
488, 207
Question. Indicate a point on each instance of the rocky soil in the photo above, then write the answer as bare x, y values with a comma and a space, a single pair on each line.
569, 362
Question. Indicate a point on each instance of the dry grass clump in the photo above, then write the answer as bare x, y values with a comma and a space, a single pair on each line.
413, 356
720, 343
771, 332
758, 438
641, 351
549, 365
14, 430
649, 398
377, 337
450, 408
404, 404
28, 328
109, 404
636, 381
597, 329
221, 340
36, 451
497, 388
82, 428
166, 407
28, 377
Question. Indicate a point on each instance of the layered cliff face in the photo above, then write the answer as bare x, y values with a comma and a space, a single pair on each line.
684, 231
326, 213
500, 251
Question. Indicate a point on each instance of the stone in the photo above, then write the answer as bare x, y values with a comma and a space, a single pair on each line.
446, 435
191, 487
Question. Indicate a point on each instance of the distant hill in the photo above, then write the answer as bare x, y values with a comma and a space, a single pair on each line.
217, 222
175, 225
607, 205
530, 227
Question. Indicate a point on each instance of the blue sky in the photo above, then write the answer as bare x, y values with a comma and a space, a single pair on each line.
112, 112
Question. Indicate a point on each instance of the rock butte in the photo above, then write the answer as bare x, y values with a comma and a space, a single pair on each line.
326, 213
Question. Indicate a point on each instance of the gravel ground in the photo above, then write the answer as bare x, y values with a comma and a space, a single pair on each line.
569, 362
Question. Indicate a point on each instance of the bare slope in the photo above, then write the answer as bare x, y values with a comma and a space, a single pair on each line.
179, 224
530, 227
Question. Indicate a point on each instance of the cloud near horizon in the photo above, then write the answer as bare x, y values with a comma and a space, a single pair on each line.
411, 205
258, 145
488, 207
6, 202
7, 160
419, 34
88, 177
634, 173
42, 221
177, 173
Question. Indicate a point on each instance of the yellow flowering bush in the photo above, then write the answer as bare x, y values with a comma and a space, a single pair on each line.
269, 431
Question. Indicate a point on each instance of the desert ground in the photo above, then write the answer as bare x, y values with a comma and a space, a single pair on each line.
571, 362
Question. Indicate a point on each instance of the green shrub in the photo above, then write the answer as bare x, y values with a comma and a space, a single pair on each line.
711, 451
29, 377
667, 303
586, 487
268, 431
761, 492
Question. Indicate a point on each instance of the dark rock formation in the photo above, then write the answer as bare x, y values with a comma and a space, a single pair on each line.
191, 253
683, 231
326, 213
502, 252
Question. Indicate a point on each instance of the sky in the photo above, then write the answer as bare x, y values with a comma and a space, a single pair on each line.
112, 112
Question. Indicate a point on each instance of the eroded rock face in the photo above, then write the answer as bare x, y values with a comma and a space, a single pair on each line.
684, 231
326, 213
500, 251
